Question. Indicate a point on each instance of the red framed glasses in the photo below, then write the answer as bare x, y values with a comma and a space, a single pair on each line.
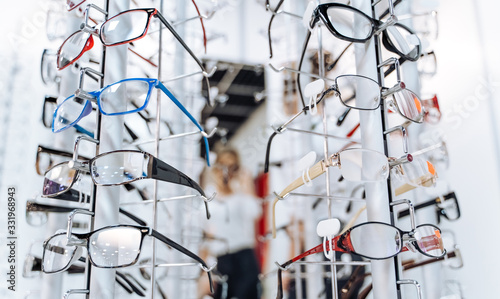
378, 240
125, 27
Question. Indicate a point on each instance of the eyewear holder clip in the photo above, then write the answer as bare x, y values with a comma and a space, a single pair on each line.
401, 160
89, 72
75, 291
72, 241
410, 208
285, 268
404, 133
203, 133
85, 26
209, 269
392, 17
412, 282
399, 85
77, 145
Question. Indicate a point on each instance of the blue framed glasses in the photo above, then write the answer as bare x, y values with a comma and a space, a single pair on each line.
135, 91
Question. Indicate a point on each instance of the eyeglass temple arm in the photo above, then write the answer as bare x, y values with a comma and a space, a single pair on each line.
313, 172
411, 265
162, 171
78, 139
268, 8
299, 67
182, 249
285, 266
404, 133
193, 120
185, 46
134, 288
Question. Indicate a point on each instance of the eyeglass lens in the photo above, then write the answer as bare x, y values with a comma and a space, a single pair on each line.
428, 239
409, 105
115, 247
375, 240
136, 93
119, 167
73, 48
347, 86
363, 165
58, 179
124, 27
57, 255
70, 111
349, 23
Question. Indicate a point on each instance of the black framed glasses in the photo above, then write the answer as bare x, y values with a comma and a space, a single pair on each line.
116, 168
350, 24
114, 246
446, 206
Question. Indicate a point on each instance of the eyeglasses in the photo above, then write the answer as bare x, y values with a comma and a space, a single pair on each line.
446, 206
70, 5
108, 247
37, 213
377, 241
115, 31
116, 168
136, 91
350, 24
403, 100
354, 164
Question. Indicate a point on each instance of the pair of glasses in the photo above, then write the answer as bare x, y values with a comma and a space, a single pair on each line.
124, 28
350, 24
403, 100
446, 206
378, 241
37, 213
71, 5
136, 92
355, 165
108, 247
116, 168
